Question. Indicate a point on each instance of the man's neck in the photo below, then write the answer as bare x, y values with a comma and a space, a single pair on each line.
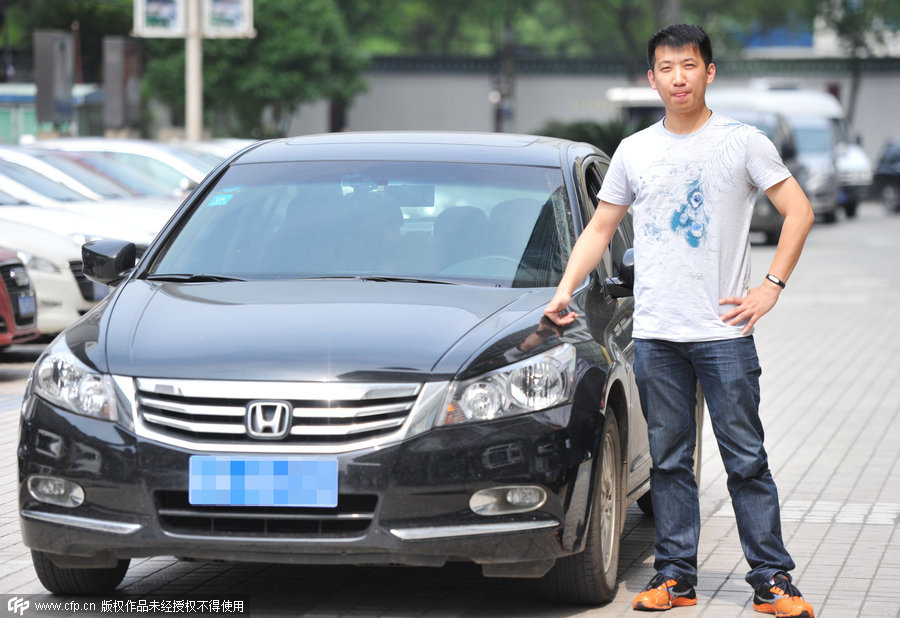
682, 124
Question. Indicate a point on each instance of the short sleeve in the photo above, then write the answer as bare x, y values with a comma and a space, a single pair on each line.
764, 164
616, 188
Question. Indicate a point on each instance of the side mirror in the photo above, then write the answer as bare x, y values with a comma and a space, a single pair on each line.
108, 261
623, 285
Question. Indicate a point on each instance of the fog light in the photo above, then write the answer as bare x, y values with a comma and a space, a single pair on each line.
507, 500
56, 491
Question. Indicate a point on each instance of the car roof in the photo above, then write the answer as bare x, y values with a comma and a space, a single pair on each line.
788, 101
465, 147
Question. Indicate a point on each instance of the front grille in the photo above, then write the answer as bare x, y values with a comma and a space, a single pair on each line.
201, 414
350, 518
15, 278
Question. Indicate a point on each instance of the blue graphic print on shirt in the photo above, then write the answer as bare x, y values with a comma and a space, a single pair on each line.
690, 218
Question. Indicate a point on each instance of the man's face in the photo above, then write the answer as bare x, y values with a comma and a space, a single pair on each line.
680, 77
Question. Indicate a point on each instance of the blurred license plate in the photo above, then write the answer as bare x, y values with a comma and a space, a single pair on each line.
263, 481
27, 306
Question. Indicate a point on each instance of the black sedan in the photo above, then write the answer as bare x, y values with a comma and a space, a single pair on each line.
335, 353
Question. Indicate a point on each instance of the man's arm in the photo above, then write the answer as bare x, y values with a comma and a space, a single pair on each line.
789, 199
586, 254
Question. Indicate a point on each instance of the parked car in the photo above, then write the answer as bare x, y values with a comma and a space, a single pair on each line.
886, 183
18, 307
79, 227
335, 353
815, 149
27, 186
132, 181
53, 262
176, 167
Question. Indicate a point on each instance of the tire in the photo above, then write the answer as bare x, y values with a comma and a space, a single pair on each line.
645, 502
77, 581
890, 196
590, 577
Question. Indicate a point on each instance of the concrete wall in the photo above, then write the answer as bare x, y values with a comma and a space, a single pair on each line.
435, 101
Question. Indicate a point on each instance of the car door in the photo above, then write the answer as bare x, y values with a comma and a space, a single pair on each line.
617, 336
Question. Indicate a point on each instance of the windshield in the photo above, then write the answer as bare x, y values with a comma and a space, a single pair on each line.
39, 183
812, 136
93, 181
500, 225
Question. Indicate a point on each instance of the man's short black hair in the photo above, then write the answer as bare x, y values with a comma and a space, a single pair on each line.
678, 36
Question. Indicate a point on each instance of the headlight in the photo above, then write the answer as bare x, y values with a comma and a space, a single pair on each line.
38, 263
64, 380
536, 383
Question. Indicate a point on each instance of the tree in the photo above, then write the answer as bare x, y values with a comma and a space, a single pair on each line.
302, 53
860, 25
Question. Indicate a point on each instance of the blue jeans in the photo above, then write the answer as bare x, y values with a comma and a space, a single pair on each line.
728, 372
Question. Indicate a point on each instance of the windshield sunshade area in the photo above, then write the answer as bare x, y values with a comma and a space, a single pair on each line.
502, 225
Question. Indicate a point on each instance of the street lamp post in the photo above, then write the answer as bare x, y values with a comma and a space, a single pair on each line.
193, 74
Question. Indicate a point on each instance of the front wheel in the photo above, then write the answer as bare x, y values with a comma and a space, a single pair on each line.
77, 581
589, 577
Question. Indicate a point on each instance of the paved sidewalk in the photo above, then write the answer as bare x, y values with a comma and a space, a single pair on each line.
830, 353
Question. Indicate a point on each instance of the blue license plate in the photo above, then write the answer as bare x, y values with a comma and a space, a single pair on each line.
27, 306
263, 481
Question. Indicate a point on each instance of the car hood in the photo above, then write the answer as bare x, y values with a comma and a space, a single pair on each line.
307, 330
852, 158
57, 248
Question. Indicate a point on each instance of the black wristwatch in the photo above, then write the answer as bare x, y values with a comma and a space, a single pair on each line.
775, 280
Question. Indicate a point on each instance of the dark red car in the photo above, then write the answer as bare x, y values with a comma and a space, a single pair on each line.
17, 303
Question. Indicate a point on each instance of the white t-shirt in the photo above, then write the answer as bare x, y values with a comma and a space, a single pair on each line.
692, 197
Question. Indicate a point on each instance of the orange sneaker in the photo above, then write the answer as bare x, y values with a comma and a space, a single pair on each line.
781, 598
665, 593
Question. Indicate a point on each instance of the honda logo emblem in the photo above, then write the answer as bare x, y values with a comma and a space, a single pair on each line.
268, 420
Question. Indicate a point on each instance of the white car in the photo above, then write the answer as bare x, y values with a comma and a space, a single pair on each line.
77, 226
177, 167
25, 186
53, 262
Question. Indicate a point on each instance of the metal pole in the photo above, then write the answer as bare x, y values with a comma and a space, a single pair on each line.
193, 74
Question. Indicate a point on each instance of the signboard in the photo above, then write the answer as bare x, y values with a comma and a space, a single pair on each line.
228, 19
160, 18
168, 18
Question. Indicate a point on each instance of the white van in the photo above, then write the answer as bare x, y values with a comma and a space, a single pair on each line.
853, 166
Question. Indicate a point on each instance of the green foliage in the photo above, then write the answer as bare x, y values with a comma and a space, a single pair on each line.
604, 135
302, 53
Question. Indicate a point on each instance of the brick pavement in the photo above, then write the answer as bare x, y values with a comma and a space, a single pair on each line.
831, 408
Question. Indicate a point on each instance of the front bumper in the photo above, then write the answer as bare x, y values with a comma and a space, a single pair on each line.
403, 503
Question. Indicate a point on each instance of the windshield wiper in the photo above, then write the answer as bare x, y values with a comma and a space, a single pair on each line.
381, 278
191, 278
405, 279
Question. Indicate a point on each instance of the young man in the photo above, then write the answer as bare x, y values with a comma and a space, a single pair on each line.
692, 181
